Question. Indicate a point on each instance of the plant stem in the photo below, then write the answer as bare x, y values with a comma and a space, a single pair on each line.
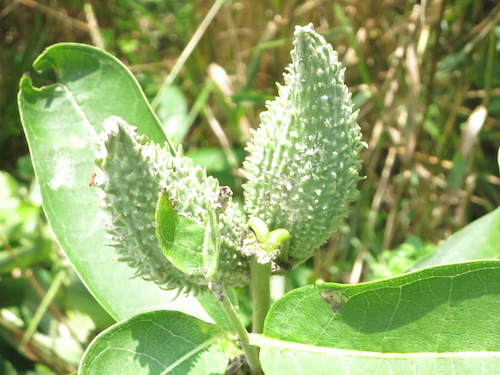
261, 293
251, 352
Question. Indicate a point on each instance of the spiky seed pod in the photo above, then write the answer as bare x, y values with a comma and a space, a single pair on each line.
131, 173
304, 162
190, 191
234, 267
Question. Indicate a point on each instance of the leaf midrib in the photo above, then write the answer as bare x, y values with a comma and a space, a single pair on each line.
265, 342
189, 354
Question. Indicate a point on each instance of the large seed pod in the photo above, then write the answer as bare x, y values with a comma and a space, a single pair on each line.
304, 162
131, 173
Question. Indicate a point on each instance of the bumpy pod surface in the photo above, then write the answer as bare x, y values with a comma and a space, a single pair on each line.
303, 162
131, 173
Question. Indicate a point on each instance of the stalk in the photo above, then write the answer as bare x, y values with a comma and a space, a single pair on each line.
261, 293
251, 352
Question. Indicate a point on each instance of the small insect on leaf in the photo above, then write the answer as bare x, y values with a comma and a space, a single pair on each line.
92, 179
334, 298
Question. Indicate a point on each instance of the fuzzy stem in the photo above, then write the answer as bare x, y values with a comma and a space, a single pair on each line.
261, 293
251, 352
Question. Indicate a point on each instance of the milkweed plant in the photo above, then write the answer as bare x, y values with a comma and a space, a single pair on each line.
302, 169
177, 227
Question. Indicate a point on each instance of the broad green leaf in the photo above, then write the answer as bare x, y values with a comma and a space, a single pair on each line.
440, 320
478, 240
187, 243
158, 342
62, 122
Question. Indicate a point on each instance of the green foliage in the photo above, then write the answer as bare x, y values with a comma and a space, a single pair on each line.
185, 242
21, 226
397, 261
64, 163
428, 165
172, 112
147, 191
427, 322
29, 261
479, 240
169, 343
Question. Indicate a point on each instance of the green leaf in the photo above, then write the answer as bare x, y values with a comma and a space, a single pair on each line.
434, 321
187, 243
478, 240
62, 122
159, 342
172, 111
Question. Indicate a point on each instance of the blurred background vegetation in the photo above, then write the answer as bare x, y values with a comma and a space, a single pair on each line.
425, 76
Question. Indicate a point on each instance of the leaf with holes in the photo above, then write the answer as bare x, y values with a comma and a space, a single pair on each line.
439, 320
62, 122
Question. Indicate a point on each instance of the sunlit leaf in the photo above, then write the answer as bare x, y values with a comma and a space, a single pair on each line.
434, 321
478, 240
187, 243
158, 342
62, 122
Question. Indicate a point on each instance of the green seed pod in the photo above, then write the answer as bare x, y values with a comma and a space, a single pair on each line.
234, 267
304, 162
132, 172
